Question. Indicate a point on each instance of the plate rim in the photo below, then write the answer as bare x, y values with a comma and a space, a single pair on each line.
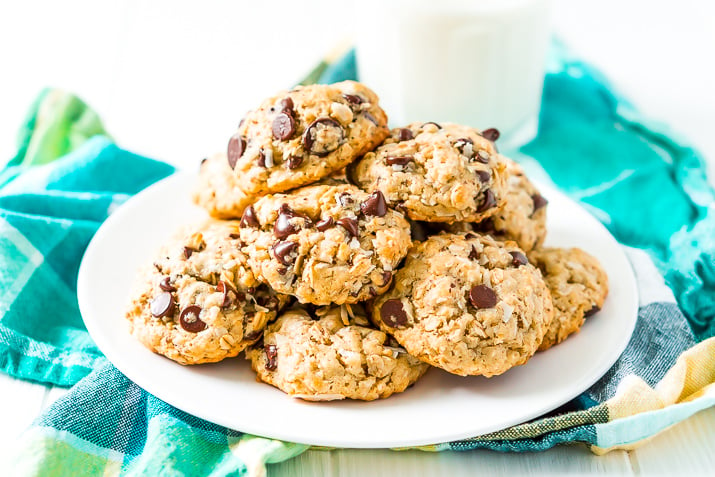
95, 332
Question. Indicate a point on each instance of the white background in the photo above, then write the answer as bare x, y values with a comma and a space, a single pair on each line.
171, 79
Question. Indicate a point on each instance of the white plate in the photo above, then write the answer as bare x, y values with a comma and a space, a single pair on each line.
439, 408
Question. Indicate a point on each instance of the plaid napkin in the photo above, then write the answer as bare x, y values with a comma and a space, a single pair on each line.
645, 186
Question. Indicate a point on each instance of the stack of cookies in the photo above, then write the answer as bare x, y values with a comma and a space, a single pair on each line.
346, 258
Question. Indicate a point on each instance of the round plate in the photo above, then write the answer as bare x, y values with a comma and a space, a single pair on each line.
439, 408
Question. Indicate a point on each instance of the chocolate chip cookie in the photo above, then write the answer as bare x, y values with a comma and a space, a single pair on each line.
522, 216
217, 189
578, 286
436, 172
325, 359
303, 135
325, 243
199, 302
468, 304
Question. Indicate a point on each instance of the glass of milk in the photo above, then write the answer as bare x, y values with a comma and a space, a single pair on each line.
474, 62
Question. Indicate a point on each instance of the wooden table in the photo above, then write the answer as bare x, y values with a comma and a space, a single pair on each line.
171, 79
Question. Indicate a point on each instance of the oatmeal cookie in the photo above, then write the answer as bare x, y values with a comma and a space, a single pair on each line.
325, 243
300, 136
468, 304
325, 359
217, 189
436, 173
522, 216
578, 286
199, 301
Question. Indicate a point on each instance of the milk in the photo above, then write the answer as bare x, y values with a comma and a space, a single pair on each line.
478, 62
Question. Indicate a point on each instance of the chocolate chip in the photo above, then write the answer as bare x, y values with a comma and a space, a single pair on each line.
484, 176
482, 296
473, 254
371, 118
163, 305
346, 199
190, 321
261, 159
372, 292
236, 148
283, 126
470, 236
251, 290
539, 201
203, 161
432, 122
491, 134
518, 259
404, 134
325, 224
283, 228
350, 225
282, 251
282, 270
595, 309
165, 284
489, 201
311, 137
393, 314
398, 160
487, 226
286, 105
234, 236
294, 162
188, 251
248, 219
229, 294
353, 98
375, 204
386, 278
271, 355
481, 156
355, 293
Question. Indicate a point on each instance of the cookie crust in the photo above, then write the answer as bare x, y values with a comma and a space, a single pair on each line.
325, 359
199, 302
578, 285
436, 173
300, 136
326, 243
468, 304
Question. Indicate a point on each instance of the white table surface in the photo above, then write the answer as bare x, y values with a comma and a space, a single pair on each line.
172, 78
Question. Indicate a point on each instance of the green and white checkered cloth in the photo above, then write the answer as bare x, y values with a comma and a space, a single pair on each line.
646, 186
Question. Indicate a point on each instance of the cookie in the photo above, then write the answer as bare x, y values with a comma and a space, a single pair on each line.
578, 286
303, 135
522, 216
468, 304
217, 189
325, 244
199, 302
436, 173
324, 359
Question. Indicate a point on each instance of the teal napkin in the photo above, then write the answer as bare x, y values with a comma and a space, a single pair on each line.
647, 188
54, 195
